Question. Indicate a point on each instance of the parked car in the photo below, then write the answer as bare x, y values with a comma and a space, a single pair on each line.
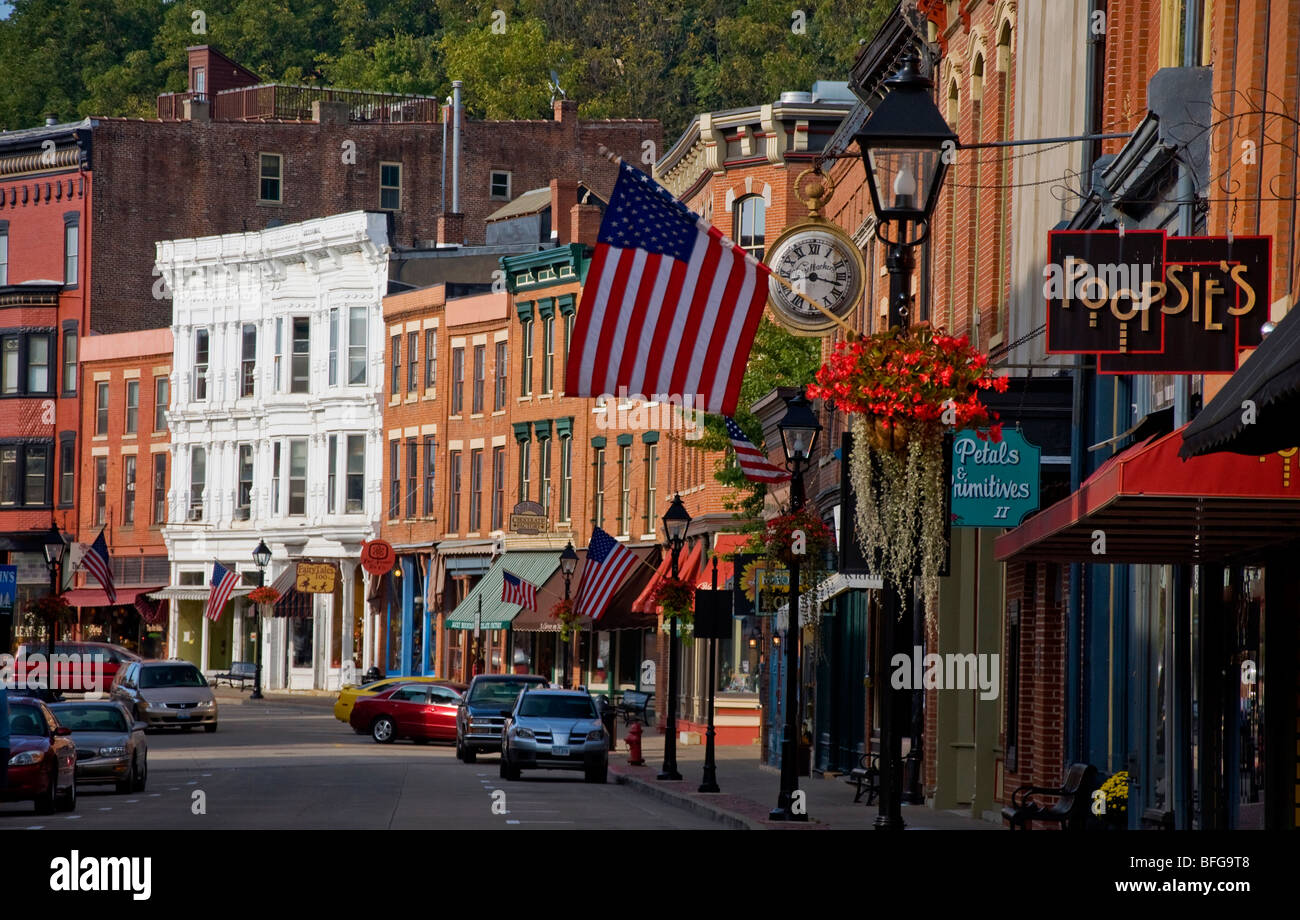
111, 746
483, 711
555, 730
421, 711
42, 758
86, 667
166, 694
349, 695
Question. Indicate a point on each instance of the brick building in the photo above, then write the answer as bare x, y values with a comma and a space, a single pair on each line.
127, 383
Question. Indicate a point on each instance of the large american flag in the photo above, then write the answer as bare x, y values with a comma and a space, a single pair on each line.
753, 462
670, 305
96, 563
223, 582
607, 562
514, 590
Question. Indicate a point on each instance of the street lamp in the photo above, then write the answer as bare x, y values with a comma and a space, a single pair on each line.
799, 429
676, 521
568, 565
906, 148
261, 558
55, 546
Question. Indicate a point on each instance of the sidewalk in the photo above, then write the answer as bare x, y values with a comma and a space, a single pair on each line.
749, 792
312, 698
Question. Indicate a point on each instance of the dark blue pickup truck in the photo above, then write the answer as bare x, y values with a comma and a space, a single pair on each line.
484, 709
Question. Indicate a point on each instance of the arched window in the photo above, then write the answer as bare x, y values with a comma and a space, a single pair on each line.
750, 223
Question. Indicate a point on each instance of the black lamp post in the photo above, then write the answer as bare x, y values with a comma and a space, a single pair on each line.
568, 565
262, 558
55, 546
710, 783
676, 520
799, 430
906, 148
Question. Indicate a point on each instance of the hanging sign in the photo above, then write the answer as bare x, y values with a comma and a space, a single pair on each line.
1148, 303
529, 518
377, 557
994, 484
8, 587
315, 577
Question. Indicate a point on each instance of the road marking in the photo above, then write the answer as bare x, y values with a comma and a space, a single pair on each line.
511, 821
155, 795
72, 817
37, 827
107, 808
131, 801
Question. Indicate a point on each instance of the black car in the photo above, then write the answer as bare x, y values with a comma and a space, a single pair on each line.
484, 708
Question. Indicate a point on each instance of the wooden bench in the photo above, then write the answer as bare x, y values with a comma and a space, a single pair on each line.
1069, 811
242, 671
633, 705
866, 778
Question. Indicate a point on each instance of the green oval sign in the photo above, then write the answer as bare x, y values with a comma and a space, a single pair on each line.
994, 484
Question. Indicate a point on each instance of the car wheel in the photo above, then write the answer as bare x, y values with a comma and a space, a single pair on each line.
210, 728
598, 773
128, 784
142, 775
471, 755
68, 802
47, 803
383, 730
512, 768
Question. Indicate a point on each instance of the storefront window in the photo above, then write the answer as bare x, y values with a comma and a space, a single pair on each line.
417, 634
301, 632
394, 636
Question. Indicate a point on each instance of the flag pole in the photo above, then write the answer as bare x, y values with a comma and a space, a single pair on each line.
847, 329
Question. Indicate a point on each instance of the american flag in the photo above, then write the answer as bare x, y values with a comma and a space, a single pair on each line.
223, 582
670, 306
753, 462
514, 590
96, 562
607, 562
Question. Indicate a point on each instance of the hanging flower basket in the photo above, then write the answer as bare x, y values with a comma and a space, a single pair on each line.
567, 615
802, 529
264, 595
50, 607
904, 387
677, 598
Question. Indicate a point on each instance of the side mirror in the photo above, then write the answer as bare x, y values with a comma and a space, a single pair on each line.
63, 731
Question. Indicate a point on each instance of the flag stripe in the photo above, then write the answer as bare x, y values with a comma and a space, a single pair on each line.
618, 293
686, 324
713, 367
746, 339
663, 322
587, 333
653, 279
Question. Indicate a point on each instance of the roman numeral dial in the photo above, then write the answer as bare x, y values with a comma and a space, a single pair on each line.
820, 262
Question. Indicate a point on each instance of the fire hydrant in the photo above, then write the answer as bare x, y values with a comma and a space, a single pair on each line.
633, 740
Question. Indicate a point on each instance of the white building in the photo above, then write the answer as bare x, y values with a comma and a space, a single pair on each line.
275, 434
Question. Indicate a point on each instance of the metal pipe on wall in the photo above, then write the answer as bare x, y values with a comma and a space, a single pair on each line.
455, 146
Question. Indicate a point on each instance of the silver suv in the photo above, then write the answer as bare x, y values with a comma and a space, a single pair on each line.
171, 694
555, 730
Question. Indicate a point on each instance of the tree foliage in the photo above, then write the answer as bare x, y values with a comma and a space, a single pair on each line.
649, 59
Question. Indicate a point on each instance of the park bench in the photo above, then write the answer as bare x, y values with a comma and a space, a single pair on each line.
242, 671
1070, 810
866, 778
633, 705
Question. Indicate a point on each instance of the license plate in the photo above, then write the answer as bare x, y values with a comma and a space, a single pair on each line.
560, 750
182, 715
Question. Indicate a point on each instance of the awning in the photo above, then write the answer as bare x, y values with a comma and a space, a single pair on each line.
292, 603
724, 544
618, 615
95, 597
1270, 381
193, 592
1145, 505
686, 569
831, 588
534, 567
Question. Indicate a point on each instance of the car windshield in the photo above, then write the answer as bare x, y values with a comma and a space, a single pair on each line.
504, 692
545, 706
26, 720
181, 675
91, 718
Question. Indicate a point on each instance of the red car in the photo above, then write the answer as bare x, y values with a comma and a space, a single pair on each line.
79, 667
422, 712
42, 758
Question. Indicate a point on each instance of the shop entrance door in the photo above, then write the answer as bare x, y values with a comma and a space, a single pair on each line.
301, 645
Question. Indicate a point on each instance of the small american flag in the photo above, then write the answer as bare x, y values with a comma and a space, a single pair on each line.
753, 462
223, 582
96, 562
670, 305
514, 590
607, 562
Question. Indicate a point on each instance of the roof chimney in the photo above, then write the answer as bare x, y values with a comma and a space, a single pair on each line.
584, 224
564, 195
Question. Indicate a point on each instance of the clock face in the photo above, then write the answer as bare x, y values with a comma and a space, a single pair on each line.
823, 265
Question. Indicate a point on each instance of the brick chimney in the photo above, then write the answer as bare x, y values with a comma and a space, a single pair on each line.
451, 230
564, 195
584, 224
565, 110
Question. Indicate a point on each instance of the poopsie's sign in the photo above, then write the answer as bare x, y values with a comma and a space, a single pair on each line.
994, 484
1145, 302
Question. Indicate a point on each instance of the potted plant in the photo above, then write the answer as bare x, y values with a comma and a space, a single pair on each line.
904, 388
568, 617
1116, 791
264, 595
677, 598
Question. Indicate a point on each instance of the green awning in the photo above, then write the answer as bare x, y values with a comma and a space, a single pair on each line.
533, 567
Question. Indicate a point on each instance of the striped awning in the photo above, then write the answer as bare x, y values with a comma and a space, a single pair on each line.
193, 592
292, 602
483, 604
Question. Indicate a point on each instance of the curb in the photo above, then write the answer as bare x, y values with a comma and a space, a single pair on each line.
656, 790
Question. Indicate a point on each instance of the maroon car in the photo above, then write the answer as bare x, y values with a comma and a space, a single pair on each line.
423, 712
80, 667
42, 758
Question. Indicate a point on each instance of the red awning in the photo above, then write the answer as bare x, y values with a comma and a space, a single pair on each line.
724, 544
1152, 507
95, 597
686, 569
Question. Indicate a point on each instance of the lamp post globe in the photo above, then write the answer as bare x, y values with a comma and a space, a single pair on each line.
799, 429
261, 558
676, 522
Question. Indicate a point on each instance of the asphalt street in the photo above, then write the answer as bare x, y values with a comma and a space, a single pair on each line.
285, 764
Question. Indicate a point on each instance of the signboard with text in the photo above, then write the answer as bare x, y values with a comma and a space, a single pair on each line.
994, 484
8, 587
315, 577
1145, 302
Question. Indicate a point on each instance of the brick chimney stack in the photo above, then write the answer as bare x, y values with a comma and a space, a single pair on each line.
565, 110
451, 230
564, 195
584, 224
